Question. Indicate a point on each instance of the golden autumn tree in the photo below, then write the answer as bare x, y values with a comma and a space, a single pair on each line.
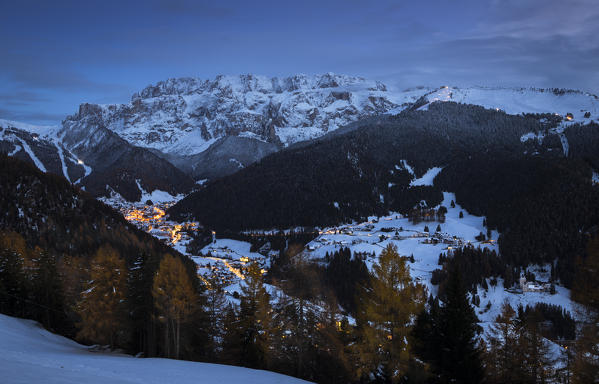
102, 305
175, 299
387, 312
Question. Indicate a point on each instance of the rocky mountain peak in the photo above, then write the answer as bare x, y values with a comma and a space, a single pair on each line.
184, 116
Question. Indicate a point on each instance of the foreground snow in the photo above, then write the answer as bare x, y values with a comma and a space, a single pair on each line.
30, 354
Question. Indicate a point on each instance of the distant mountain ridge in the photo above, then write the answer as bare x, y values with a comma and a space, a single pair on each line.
279, 110
183, 130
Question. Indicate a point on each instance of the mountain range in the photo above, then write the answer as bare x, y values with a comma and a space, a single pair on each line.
182, 131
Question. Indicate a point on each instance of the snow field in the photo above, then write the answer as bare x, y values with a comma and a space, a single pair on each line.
30, 354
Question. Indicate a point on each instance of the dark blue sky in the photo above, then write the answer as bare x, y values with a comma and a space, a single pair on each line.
56, 55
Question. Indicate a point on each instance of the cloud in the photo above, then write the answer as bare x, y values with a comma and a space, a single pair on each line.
30, 70
31, 116
541, 19
22, 98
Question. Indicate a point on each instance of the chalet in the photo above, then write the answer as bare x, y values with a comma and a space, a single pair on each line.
532, 286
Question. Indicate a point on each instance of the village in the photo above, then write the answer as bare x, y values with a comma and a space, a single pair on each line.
221, 262
378, 230
152, 218
224, 261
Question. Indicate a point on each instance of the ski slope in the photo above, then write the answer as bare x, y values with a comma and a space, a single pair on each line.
30, 354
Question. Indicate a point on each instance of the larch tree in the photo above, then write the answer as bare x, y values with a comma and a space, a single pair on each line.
387, 312
175, 299
102, 306
534, 349
216, 306
517, 352
503, 360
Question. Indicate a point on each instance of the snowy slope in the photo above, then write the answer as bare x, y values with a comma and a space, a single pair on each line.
411, 239
30, 354
523, 100
40, 145
45, 131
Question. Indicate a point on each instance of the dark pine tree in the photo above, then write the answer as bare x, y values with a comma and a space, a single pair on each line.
446, 337
460, 357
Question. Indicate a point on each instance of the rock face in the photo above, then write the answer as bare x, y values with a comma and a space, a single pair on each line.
212, 128
185, 116
226, 156
184, 130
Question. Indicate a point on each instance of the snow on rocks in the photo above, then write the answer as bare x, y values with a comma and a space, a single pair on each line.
184, 116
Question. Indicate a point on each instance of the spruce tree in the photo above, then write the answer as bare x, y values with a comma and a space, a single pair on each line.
459, 357
13, 280
586, 291
426, 334
141, 303
47, 291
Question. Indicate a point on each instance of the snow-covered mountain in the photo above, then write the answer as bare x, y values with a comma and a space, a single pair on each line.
185, 116
40, 145
97, 159
30, 354
211, 128
583, 106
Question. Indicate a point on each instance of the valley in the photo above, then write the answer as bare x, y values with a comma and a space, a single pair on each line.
324, 192
221, 261
489, 195
226, 260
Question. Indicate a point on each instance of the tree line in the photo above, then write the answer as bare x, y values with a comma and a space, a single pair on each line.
295, 325
541, 202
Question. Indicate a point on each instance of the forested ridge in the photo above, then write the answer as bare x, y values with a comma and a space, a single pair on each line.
356, 168
145, 298
56, 239
542, 203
